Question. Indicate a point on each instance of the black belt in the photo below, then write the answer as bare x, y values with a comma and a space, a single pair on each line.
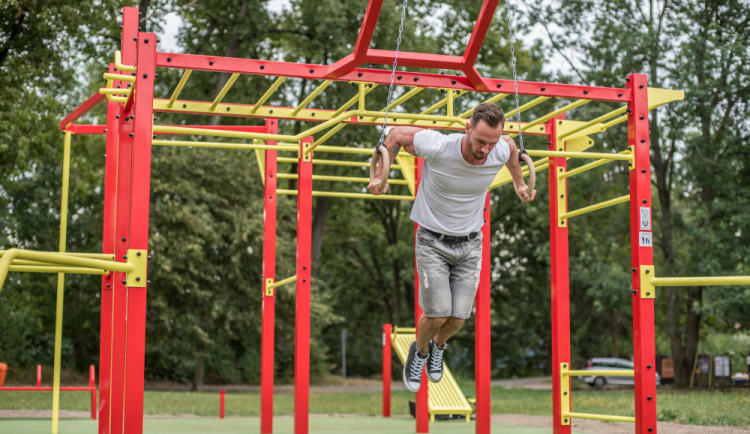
452, 239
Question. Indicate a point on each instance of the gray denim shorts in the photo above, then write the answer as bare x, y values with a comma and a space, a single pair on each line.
448, 275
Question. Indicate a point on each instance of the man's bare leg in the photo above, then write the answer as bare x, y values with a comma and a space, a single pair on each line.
450, 328
428, 328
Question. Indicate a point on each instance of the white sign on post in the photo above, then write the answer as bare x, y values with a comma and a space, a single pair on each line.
645, 218
644, 239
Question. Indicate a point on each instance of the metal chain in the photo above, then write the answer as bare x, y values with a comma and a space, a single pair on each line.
515, 78
393, 73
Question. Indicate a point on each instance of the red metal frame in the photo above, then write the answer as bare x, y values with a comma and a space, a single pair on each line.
302, 315
644, 357
421, 409
38, 388
387, 330
126, 207
559, 276
483, 331
269, 301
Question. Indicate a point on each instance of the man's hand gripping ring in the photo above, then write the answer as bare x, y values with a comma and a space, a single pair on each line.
532, 172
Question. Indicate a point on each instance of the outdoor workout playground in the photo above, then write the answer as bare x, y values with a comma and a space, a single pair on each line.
131, 131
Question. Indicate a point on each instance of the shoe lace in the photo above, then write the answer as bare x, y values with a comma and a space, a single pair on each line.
415, 372
436, 360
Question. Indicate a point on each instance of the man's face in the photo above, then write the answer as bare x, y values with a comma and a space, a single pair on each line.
482, 138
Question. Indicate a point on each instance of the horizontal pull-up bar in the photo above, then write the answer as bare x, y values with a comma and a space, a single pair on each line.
594, 372
700, 281
319, 161
528, 105
349, 195
281, 282
598, 417
596, 207
312, 96
590, 166
222, 145
339, 178
55, 269
593, 155
128, 78
58, 260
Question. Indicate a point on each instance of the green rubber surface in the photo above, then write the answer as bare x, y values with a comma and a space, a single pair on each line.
282, 425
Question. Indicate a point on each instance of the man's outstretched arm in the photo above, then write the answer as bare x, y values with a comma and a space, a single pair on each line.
398, 138
514, 167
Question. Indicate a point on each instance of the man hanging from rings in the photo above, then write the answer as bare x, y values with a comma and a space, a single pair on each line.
457, 173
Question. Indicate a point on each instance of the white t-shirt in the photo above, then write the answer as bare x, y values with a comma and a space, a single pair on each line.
451, 195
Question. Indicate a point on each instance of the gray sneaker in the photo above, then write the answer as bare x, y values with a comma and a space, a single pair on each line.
435, 361
413, 368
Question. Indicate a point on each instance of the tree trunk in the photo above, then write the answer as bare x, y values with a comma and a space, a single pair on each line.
233, 46
200, 367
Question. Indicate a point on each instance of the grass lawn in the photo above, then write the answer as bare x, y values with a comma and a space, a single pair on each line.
695, 408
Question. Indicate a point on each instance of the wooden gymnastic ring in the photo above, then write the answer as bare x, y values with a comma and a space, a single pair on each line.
381, 155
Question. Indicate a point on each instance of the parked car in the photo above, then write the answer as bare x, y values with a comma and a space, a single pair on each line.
609, 364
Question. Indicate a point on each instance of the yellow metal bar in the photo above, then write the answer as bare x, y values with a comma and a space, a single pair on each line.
222, 145
549, 116
281, 282
615, 121
268, 94
224, 91
329, 134
588, 209
312, 96
361, 96
590, 166
104, 256
55, 269
596, 155
115, 91
319, 161
222, 133
599, 417
449, 107
592, 372
701, 281
353, 100
448, 100
339, 178
120, 66
60, 285
495, 98
128, 78
349, 195
400, 100
591, 123
120, 99
180, 85
528, 105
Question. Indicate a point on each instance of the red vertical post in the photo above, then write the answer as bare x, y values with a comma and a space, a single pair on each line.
482, 332
269, 294
421, 410
140, 194
92, 385
559, 272
108, 247
302, 315
644, 358
112, 420
387, 370
221, 404
38, 375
